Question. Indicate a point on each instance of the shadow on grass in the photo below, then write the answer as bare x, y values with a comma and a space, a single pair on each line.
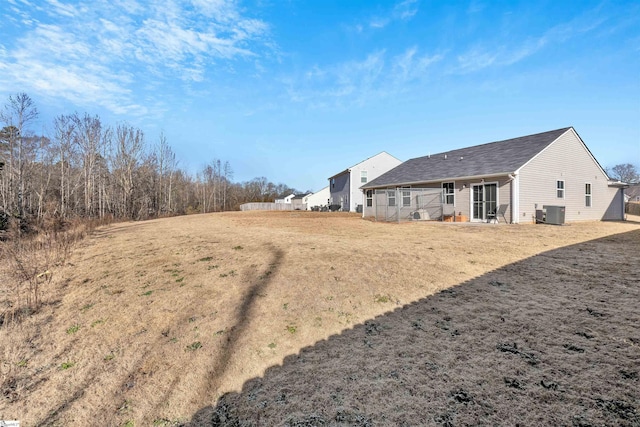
550, 340
244, 316
258, 283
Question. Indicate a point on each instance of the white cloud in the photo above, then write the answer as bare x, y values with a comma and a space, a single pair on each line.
476, 59
409, 66
405, 9
402, 11
375, 77
99, 51
55, 7
508, 53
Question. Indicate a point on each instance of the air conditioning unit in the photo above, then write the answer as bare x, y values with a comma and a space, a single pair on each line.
553, 214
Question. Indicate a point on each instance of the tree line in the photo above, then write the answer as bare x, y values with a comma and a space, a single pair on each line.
87, 169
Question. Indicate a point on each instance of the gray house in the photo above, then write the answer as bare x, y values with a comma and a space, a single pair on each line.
506, 180
344, 187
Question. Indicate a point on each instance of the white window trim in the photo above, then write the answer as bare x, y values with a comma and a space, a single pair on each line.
368, 197
588, 195
391, 194
453, 193
402, 190
363, 175
563, 189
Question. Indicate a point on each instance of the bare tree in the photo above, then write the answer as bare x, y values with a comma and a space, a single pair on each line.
64, 130
129, 144
89, 170
227, 176
41, 172
17, 114
88, 137
625, 172
166, 165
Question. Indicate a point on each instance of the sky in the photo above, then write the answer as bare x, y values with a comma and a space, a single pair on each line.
299, 90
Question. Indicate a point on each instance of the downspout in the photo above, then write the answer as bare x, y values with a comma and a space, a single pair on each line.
398, 204
515, 198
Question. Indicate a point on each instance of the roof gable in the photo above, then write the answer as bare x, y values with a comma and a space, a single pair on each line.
381, 154
494, 158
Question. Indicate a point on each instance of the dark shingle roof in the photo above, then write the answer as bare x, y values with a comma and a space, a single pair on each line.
633, 192
499, 157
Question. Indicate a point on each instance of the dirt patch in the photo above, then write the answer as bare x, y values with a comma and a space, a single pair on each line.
326, 319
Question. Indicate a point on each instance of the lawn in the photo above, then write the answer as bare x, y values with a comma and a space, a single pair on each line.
301, 318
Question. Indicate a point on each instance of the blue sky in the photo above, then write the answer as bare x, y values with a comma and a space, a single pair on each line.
297, 91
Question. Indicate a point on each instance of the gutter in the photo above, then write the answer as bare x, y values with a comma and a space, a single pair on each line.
618, 184
457, 178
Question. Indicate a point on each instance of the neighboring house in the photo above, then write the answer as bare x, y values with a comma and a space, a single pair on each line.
297, 202
508, 179
287, 199
319, 198
632, 194
344, 186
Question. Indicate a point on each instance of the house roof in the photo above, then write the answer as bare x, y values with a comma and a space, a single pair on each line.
494, 158
347, 170
633, 191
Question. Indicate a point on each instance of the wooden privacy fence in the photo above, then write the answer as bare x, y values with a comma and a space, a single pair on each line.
259, 206
633, 208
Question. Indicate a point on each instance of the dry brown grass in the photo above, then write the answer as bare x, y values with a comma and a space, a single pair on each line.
153, 321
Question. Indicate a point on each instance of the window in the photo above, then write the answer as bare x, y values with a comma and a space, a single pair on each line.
333, 183
369, 198
363, 177
448, 193
391, 197
560, 189
406, 196
587, 195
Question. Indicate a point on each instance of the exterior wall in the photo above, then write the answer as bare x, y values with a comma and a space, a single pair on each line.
565, 159
503, 196
286, 199
374, 166
298, 204
319, 198
462, 197
368, 211
615, 211
339, 189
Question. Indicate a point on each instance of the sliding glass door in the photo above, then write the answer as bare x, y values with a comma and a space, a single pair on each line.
485, 201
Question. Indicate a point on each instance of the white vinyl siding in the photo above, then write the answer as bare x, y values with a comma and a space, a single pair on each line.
566, 159
368, 169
